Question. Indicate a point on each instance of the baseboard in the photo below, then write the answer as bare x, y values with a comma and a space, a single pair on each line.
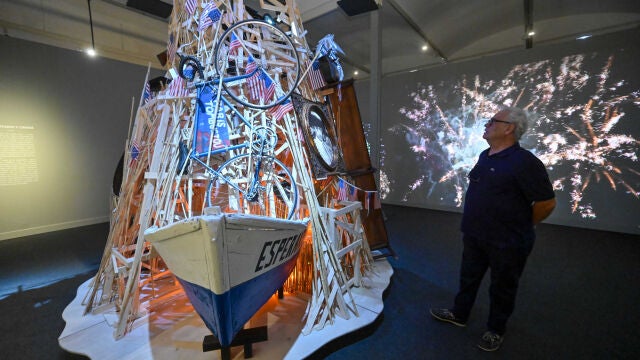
52, 227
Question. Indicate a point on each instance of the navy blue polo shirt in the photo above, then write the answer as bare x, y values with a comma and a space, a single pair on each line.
502, 188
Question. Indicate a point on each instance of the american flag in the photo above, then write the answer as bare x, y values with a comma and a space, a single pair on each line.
210, 14
171, 49
146, 95
260, 84
279, 111
269, 86
256, 85
353, 195
251, 65
190, 6
135, 152
234, 44
177, 88
342, 190
315, 76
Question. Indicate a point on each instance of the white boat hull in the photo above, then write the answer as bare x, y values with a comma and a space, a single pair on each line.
229, 264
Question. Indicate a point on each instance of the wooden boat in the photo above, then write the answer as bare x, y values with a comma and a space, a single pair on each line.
229, 264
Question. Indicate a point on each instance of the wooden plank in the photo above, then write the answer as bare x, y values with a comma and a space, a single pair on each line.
354, 245
356, 159
131, 289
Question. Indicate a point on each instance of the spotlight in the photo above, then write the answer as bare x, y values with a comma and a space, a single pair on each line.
531, 33
424, 47
92, 50
585, 36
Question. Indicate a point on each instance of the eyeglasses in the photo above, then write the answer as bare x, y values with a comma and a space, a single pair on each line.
494, 120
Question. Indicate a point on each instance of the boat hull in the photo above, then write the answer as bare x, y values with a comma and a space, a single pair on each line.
229, 264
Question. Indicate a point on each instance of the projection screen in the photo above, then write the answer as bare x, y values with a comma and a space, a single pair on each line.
585, 101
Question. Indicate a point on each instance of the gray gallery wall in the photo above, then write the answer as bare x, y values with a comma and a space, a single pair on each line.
77, 112
73, 112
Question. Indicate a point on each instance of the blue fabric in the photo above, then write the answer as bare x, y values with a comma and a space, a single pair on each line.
502, 188
208, 121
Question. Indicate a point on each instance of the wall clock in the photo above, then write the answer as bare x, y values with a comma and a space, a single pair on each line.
316, 121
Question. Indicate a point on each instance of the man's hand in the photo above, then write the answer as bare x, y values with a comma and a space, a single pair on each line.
542, 209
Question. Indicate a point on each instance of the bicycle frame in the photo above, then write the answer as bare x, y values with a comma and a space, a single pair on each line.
243, 172
197, 155
260, 147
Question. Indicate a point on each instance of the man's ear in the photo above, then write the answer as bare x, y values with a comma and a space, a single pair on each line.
511, 129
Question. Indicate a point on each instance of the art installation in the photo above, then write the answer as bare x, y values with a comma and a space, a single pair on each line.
218, 191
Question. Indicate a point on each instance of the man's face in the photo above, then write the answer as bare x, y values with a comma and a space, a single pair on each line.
497, 127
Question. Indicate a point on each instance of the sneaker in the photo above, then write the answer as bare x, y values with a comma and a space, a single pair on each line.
490, 341
447, 316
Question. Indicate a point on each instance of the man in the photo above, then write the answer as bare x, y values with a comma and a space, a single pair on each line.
509, 193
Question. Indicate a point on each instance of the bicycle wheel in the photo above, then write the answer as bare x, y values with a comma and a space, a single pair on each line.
270, 191
258, 62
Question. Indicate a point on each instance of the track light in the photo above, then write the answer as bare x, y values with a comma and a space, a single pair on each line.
92, 50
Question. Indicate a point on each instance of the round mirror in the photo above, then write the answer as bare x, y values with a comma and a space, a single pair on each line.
323, 143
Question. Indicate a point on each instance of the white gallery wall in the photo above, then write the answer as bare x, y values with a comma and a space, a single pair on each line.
64, 119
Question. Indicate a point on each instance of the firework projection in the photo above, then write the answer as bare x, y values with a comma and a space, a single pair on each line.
586, 131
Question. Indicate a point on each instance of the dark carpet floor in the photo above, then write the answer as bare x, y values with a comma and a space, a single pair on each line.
578, 295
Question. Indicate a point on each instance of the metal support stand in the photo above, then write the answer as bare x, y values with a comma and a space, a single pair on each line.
245, 337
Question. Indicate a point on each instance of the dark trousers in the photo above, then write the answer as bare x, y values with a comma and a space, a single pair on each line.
506, 266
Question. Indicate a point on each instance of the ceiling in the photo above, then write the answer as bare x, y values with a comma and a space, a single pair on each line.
452, 30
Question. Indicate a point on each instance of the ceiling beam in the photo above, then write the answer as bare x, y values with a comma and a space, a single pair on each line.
416, 28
